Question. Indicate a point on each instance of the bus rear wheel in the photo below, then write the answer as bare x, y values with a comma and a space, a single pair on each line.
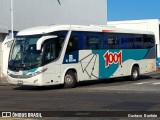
70, 80
134, 73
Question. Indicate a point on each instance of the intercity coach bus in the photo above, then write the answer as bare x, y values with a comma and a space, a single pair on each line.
67, 54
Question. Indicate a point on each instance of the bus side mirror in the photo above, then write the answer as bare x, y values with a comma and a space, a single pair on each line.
42, 39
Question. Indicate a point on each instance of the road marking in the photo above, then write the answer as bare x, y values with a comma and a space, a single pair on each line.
152, 83
157, 83
141, 83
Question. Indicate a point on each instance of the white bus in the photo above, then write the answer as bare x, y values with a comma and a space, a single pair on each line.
67, 54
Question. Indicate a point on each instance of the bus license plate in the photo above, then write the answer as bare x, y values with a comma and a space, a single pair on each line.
20, 82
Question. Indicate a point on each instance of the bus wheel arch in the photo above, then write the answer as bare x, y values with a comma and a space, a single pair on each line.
70, 78
135, 72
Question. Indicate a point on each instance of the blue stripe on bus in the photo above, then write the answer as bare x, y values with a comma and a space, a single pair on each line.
108, 71
32, 70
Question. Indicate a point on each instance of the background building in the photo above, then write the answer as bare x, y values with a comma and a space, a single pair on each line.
30, 13
3, 33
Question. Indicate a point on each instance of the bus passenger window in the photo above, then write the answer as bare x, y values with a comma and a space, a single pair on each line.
148, 41
92, 43
72, 44
93, 40
127, 42
138, 43
113, 41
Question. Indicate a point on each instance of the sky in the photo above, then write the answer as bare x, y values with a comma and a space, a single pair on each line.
133, 9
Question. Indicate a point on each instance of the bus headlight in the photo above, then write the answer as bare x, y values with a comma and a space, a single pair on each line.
37, 72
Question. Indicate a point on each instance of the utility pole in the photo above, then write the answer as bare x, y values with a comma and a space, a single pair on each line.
12, 34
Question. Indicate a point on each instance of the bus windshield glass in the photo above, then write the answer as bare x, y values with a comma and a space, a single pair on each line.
24, 54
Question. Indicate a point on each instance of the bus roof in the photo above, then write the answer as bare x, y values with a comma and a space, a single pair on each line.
94, 28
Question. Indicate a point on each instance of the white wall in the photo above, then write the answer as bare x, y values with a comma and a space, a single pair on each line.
2, 36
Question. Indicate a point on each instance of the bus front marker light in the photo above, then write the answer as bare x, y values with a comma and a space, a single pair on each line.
39, 72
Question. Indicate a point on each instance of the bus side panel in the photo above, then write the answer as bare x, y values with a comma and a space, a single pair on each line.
116, 63
52, 75
102, 64
145, 66
88, 65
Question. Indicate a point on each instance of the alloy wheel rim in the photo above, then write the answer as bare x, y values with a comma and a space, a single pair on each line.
135, 74
68, 79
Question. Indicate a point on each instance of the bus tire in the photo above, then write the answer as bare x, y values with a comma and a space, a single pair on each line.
134, 73
70, 79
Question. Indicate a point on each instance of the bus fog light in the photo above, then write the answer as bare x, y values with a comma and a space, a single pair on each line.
35, 81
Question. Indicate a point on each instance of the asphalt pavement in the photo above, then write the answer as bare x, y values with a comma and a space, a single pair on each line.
110, 95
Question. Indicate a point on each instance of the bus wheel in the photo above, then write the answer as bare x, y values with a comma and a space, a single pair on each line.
70, 80
134, 73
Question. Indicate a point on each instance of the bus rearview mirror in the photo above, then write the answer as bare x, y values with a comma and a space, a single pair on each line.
42, 39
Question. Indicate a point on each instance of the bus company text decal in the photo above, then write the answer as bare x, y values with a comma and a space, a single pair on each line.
113, 58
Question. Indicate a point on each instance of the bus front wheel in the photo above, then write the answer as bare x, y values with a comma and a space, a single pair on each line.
134, 73
70, 80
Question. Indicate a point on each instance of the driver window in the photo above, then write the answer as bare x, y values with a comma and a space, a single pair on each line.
49, 53
51, 50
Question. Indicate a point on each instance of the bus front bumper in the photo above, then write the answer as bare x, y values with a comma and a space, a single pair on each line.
32, 81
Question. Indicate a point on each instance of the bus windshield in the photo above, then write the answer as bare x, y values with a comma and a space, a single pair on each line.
24, 54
